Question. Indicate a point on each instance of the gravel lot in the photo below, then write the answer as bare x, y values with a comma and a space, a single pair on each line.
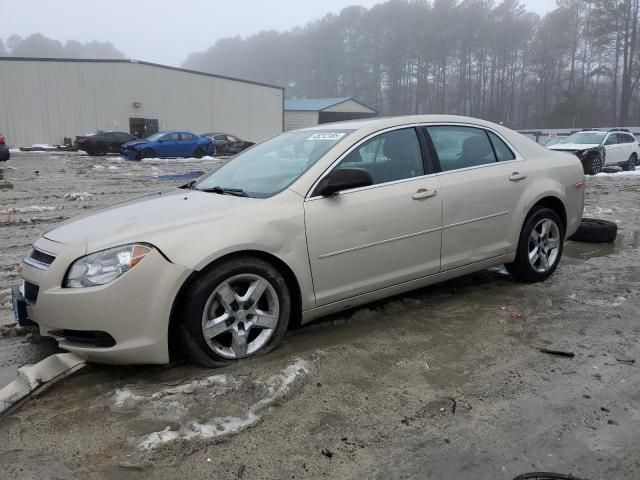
446, 382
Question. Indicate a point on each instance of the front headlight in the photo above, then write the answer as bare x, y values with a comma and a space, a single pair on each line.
105, 266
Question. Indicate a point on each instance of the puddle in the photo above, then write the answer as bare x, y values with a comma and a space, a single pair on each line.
584, 251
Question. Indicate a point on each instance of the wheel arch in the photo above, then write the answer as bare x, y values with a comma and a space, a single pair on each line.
555, 204
284, 269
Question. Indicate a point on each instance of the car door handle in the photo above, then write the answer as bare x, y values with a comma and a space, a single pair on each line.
423, 193
517, 176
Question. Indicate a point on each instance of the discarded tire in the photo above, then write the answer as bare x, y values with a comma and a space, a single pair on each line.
593, 230
4, 154
545, 476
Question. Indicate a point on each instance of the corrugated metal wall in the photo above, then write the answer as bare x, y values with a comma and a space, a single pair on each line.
45, 101
294, 120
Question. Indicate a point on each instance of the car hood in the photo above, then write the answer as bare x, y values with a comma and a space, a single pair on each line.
572, 146
144, 218
135, 142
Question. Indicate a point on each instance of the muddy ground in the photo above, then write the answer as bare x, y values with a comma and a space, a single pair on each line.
446, 382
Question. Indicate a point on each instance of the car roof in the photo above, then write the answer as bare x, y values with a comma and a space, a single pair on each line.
379, 123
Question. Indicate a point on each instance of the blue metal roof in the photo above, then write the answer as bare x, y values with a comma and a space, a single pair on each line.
313, 104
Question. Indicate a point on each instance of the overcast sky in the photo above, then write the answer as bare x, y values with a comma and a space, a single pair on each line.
166, 31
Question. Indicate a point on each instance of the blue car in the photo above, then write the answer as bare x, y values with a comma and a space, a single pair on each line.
167, 145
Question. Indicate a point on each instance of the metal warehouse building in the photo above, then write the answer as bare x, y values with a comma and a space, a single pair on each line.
307, 112
48, 100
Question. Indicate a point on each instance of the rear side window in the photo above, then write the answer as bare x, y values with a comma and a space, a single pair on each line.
625, 138
461, 147
186, 137
390, 156
503, 153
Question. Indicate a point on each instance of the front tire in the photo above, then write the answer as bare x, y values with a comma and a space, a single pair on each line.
593, 164
147, 153
540, 246
631, 164
239, 309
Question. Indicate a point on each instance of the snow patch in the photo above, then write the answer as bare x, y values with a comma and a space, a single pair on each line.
124, 399
32, 208
595, 302
631, 173
81, 196
278, 386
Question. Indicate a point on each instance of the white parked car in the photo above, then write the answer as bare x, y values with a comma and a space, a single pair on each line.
598, 148
307, 223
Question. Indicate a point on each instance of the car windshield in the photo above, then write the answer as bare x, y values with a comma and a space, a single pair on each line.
588, 138
271, 166
155, 136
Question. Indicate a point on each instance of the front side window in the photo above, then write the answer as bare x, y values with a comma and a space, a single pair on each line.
390, 156
171, 137
271, 166
461, 147
611, 139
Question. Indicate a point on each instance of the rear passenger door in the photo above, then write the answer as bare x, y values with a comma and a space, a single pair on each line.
187, 145
482, 181
627, 145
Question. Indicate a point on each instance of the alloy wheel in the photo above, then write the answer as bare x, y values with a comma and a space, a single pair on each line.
597, 165
240, 316
544, 245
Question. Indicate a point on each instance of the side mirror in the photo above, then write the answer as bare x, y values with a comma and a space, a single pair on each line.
343, 179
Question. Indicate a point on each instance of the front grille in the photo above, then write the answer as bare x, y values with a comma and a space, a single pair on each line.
39, 259
31, 292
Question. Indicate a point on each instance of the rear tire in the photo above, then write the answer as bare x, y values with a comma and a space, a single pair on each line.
592, 230
592, 164
631, 164
198, 153
238, 324
539, 253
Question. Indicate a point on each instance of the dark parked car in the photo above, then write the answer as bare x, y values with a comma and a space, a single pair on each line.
167, 145
227, 144
101, 143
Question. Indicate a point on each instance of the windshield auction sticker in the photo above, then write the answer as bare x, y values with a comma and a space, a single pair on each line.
326, 136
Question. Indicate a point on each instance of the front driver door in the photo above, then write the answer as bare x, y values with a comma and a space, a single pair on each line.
169, 145
373, 237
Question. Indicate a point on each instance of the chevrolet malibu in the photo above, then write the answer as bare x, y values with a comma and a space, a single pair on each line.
302, 225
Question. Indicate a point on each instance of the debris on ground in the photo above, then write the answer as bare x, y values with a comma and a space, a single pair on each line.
626, 360
560, 353
327, 453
